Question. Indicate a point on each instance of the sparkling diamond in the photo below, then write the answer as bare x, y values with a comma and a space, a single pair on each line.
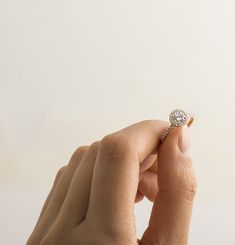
178, 118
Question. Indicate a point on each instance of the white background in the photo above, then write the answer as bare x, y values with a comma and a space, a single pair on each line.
73, 71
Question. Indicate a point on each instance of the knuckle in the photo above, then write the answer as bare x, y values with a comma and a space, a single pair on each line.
117, 144
93, 148
60, 171
78, 154
188, 182
153, 123
80, 151
189, 189
92, 151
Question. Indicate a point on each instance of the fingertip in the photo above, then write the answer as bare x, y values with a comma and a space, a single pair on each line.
184, 140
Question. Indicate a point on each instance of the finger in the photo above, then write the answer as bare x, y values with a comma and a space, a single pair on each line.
116, 173
34, 239
139, 197
171, 213
148, 162
148, 185
75, 205
154, 166
59, 173
60, 190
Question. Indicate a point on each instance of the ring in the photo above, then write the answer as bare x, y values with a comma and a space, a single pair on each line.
177, 118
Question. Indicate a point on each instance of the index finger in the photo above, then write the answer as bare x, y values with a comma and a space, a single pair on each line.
145, 136
116, 172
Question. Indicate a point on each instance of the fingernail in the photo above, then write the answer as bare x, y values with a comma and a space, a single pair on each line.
184, 140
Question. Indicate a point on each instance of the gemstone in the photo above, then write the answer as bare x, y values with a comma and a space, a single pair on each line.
178, 118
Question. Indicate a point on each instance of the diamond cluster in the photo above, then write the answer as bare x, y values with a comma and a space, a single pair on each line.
178, 118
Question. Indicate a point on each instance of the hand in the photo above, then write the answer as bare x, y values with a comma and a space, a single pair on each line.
92, 199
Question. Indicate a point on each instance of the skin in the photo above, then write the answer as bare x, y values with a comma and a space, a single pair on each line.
92, 199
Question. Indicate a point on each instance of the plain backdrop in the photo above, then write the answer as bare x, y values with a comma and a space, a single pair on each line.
74, 71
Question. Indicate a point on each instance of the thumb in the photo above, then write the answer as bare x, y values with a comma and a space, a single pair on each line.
171, 213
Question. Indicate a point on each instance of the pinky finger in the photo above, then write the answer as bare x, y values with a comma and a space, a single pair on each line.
59, 173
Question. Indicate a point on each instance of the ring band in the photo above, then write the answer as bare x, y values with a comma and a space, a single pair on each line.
177, 118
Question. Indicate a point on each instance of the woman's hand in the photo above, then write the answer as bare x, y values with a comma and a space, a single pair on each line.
92, 199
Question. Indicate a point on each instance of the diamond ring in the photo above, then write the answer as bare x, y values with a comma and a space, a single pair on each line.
177, 118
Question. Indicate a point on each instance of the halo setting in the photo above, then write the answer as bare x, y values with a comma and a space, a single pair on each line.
178, 118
